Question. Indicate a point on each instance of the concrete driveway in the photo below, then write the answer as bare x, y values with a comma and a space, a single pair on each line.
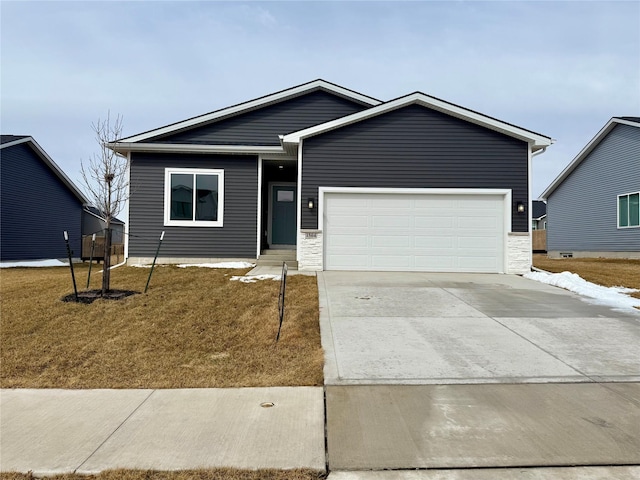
426, 328
451, 371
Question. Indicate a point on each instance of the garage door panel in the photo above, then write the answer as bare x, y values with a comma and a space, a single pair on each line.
434, 222
434, 263
391, 203
434, 202
349, 241
389, 241
444, 241
390, 221
350, 221
414, 232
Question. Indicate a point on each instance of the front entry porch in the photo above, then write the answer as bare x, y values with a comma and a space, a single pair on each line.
279, 207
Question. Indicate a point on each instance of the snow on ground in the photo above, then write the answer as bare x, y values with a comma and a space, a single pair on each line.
612, 296
219, 265
34, 263
254, 278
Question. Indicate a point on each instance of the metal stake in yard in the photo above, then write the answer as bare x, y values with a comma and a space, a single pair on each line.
283, 288
154, 261
73, 275
93, 245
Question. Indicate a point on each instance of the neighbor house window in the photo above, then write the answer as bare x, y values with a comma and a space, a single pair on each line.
629, 210
193, 197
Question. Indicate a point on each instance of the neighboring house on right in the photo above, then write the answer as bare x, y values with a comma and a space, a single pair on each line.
593, 206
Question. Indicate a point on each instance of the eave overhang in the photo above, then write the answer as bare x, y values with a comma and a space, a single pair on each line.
123, 148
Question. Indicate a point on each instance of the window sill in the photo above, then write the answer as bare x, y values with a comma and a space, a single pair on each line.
187, 223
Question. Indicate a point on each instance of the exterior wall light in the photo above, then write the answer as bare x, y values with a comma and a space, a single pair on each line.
310, 203
520, 207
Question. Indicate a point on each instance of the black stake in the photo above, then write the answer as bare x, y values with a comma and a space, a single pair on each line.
154, 261
93, 245
283, 288
73, 276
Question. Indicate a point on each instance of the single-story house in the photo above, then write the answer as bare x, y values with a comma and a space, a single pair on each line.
39, 202
347, 181
539, 215
593, 206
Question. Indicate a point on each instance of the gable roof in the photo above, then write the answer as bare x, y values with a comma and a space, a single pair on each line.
595, 141
252, 105
538, 209
12, 140
536, 140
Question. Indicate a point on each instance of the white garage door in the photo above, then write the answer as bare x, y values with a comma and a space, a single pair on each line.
414, 232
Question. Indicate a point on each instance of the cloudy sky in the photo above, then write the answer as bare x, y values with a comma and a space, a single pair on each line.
558, 68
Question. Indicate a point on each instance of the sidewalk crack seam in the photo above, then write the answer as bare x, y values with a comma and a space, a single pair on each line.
114, 432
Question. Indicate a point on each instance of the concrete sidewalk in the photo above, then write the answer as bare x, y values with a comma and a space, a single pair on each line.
87, 431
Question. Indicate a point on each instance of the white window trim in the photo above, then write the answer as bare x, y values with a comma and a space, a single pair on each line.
618, 211
167, 197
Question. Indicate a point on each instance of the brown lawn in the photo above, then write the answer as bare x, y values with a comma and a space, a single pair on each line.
194, 328
603, 271
213, 474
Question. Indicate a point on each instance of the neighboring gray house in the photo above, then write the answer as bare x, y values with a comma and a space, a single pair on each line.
345, 180
593, 206
539, 215
92, 222
38, 202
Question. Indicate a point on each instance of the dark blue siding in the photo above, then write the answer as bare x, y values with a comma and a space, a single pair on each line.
36, 207
262, 126
236, 238
415, 147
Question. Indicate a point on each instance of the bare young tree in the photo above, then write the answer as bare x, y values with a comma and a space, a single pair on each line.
105, 178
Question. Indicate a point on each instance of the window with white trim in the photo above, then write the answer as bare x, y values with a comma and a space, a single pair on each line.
193, 197
629, 210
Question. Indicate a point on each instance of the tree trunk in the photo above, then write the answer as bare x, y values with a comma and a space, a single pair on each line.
106, 272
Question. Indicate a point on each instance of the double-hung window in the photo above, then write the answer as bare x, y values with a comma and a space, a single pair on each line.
629, 210
193, 197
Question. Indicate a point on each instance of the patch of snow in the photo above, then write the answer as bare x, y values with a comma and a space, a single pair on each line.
612, 296
219, 265
34, 263
254, 278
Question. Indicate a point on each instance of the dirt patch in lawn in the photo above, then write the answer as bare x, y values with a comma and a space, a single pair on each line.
614, 272
213, 474
194, 328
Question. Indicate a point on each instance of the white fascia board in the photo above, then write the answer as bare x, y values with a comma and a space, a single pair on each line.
604, 131
253, 104
536, 140
53, 165
126, 147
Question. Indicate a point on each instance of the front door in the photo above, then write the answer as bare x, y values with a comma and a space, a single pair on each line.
283, 211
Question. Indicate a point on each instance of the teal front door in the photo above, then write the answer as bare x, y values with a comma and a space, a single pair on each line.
283, 211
